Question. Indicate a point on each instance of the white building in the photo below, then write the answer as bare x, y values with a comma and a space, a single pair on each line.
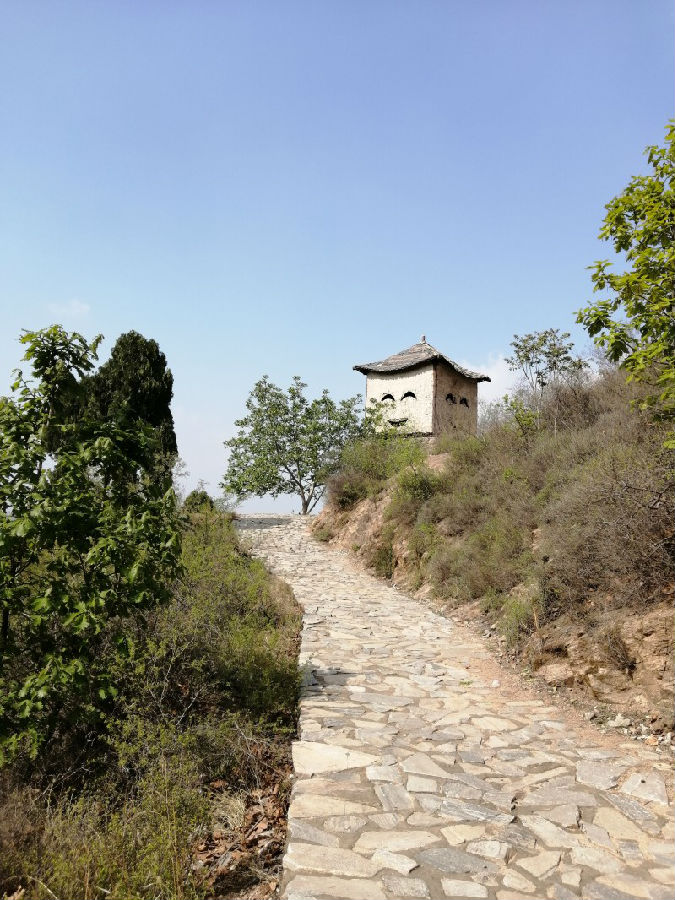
424, 392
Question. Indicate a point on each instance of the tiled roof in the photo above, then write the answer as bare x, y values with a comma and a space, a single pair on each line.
417, 355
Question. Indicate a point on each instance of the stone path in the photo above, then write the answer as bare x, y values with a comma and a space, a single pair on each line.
416, 778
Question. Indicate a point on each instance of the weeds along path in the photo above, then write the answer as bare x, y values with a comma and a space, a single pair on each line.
416, 776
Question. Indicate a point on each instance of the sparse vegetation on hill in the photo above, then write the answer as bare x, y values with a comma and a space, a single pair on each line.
554, 522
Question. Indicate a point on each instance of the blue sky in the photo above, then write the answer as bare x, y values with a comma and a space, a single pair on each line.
294, 187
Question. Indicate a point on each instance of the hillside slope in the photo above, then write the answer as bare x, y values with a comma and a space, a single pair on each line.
558, 541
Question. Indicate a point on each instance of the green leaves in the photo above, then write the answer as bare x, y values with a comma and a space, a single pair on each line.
635, 324
88, 538
543, 357
134, 386
287, 444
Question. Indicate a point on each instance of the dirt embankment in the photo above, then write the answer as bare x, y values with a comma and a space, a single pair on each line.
615, 664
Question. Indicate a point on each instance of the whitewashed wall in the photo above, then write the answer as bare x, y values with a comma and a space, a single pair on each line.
453, 414
418, 412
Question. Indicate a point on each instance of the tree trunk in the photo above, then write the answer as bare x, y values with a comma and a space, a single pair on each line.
305, 504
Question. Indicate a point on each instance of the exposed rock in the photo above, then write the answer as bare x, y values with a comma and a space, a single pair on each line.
394, 796
566, 815
302, 831
619, 721
643, 817
459, 834
328, 860
601, 775
449, 859
308, 806
541, 864
488, 849
463, 889
394, 840
344, 824
557, 673
383, 773
599, 860
311, 757
396, 861
549, 833
309, 887
646, 787
405, 887
421, 785
518, 882
421, 764
617, 825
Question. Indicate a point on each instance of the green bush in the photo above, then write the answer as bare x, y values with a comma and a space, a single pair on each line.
383, 561
346, 489
198, 499
367, 464
382, 455
417, 483
520, 612
208, 691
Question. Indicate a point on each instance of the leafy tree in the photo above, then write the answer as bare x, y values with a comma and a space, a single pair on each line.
543, 358
198, 499
87, 539
636, 323
133, 386
287, 444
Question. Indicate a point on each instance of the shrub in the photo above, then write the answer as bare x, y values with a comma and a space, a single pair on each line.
616, 650
101, 845
383, 560
323, 533
196, 500
611, 529
520, 612
206, 694
382, 455
346, 489
494, 557
417, 483
366, 464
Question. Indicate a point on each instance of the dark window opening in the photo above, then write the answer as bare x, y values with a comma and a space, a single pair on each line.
451, 398
398, 422
464, 402
408, 394
387, 397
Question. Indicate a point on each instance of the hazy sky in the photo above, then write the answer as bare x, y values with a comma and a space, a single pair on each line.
294, 187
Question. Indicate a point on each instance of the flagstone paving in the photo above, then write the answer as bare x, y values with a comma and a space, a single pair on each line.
418, 778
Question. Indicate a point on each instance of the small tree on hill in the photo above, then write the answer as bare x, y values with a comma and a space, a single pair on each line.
287, 444
198, 499
543, 358
635, 324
